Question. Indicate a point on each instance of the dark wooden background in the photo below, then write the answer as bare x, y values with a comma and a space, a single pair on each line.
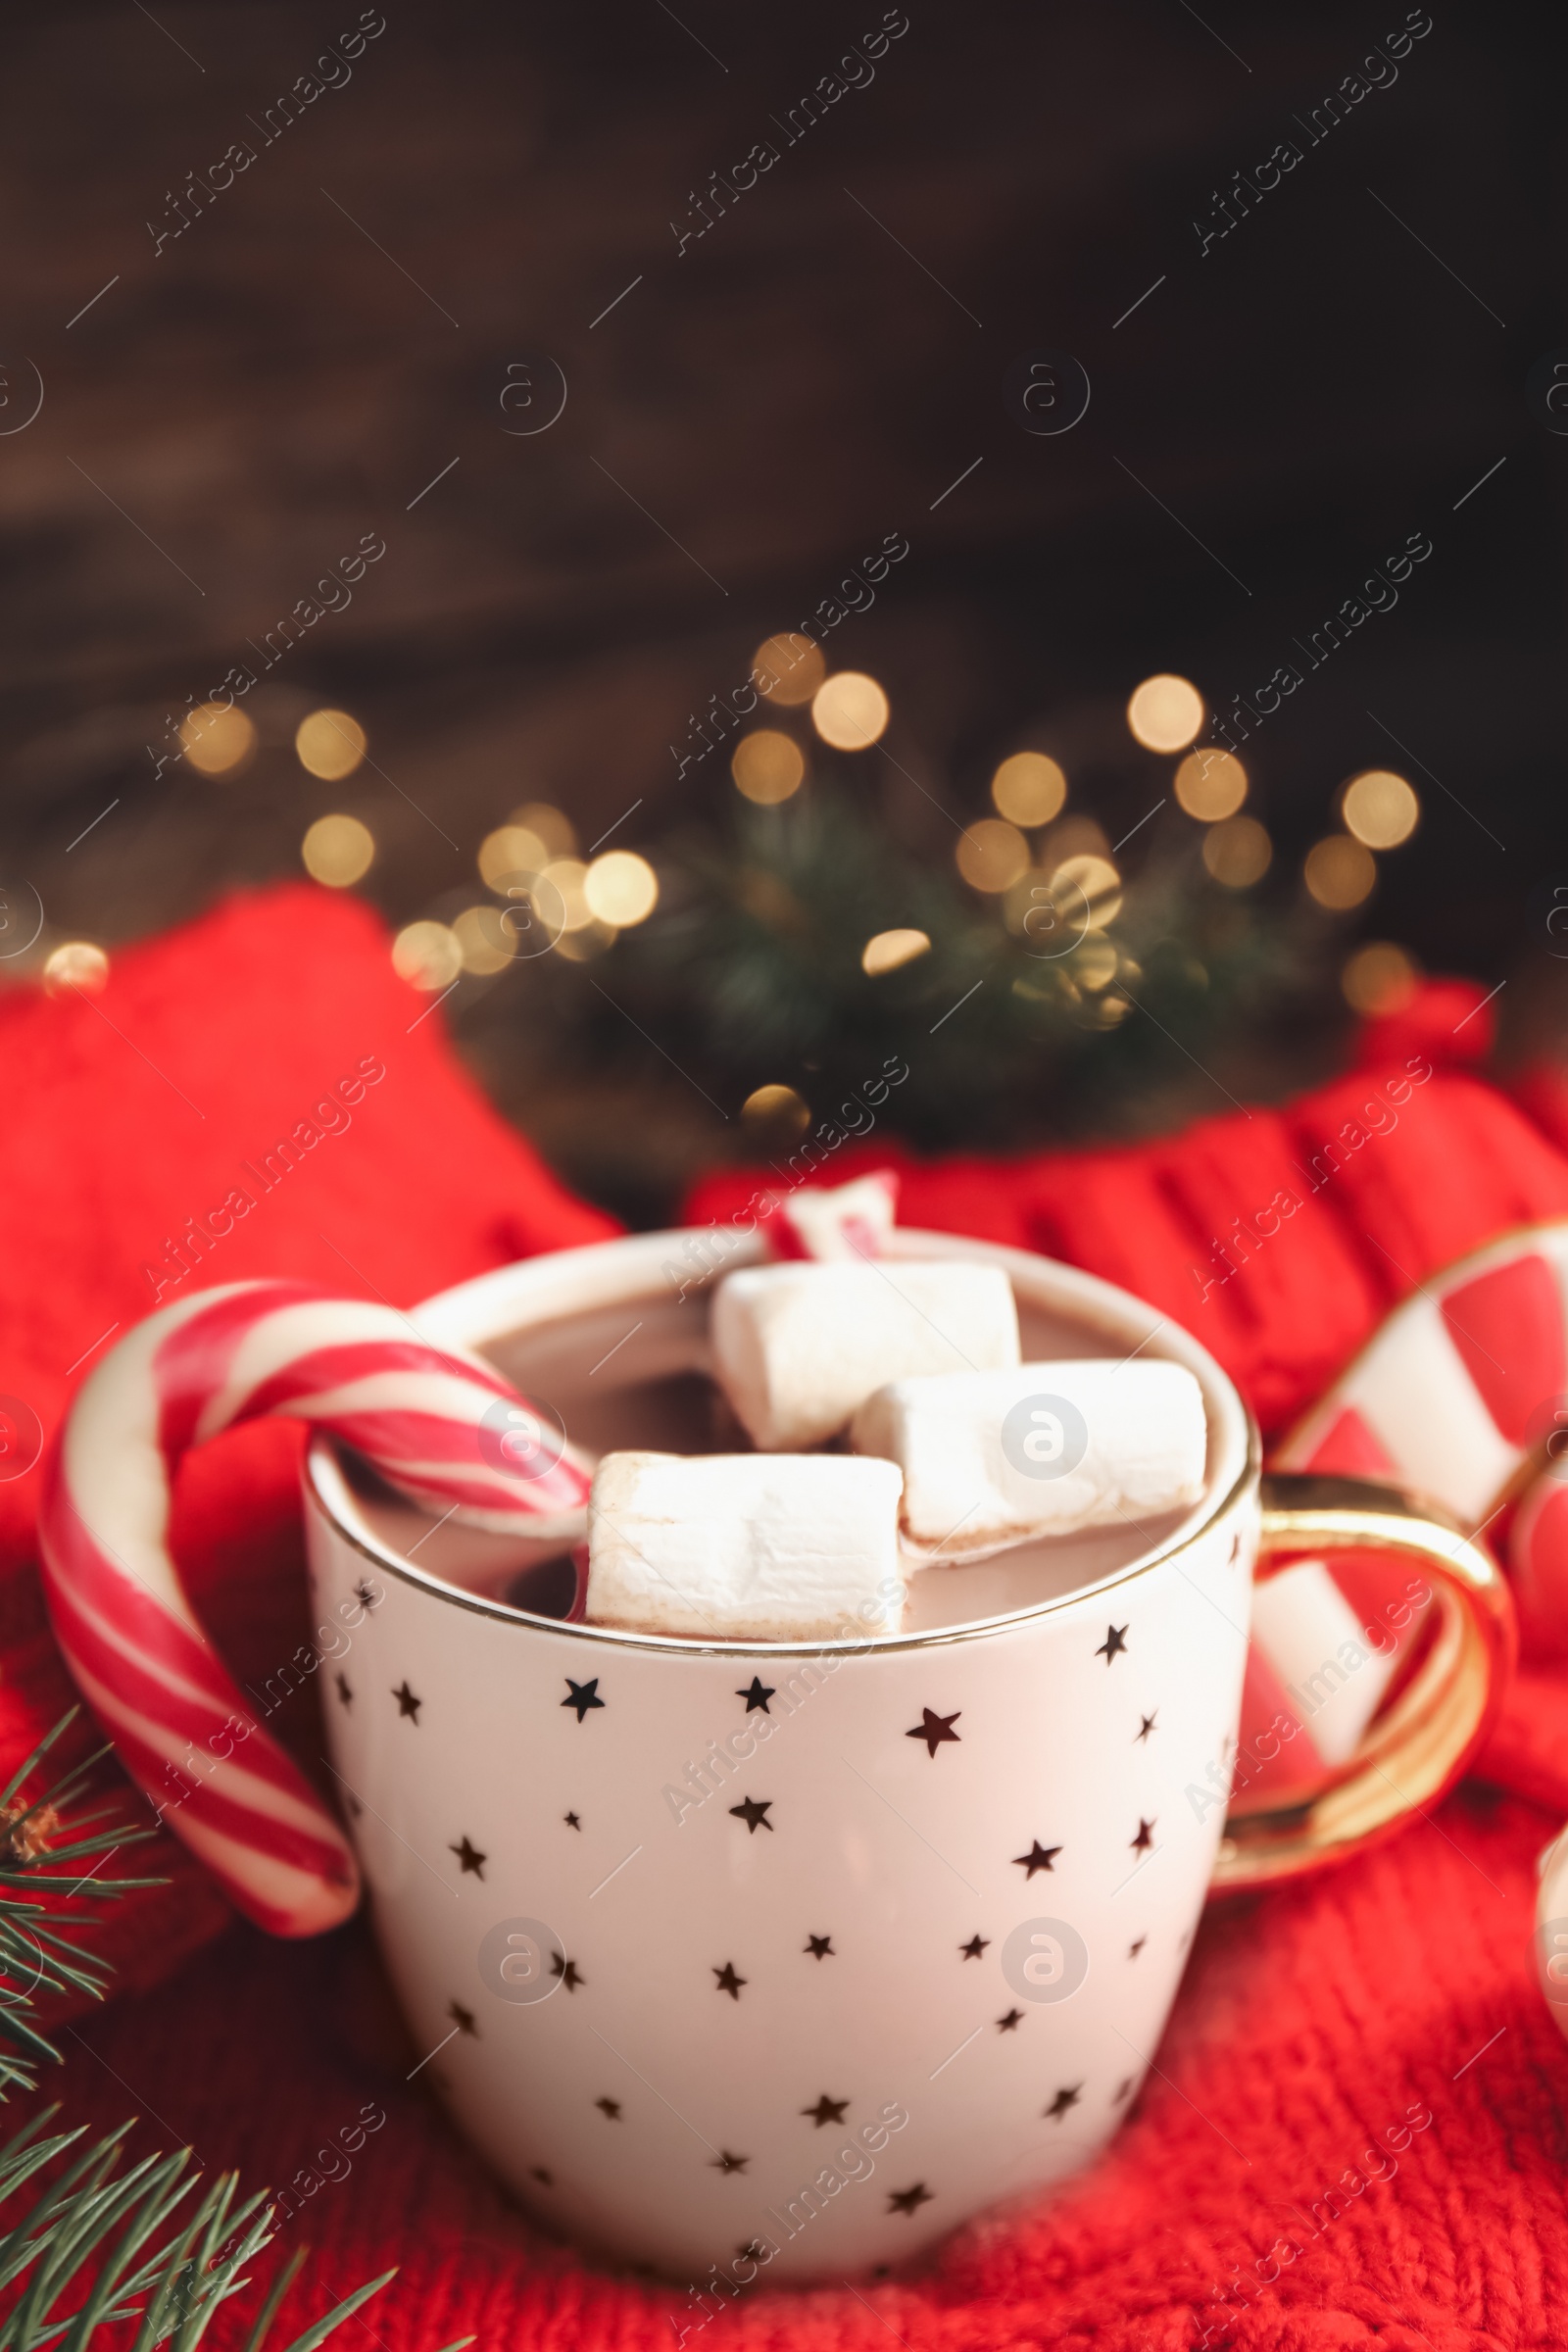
239, 407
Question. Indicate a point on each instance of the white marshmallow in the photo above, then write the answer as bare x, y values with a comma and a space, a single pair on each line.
745, 1546
996, 1458
798, 1347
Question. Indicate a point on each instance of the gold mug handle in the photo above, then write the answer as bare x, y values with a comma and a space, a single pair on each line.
1419, 1745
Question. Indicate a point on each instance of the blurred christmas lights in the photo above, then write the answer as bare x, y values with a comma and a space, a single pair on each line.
217, 739
76, 964
1339, 872
788, 669
512, 850
1379, 978
992, 855
1029, 788
1210, 784
1165, 712
775, 1109
620, 889
849, 710
767, 766
428, 956
329, 743
553, 828
889, 949
484, 943
338, 851
1238, 852
1379, 808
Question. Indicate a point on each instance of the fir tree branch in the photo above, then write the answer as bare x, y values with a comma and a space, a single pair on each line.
40, 1942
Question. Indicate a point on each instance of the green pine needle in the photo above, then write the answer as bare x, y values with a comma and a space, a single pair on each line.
99, 2246
41, 1947
102, 2242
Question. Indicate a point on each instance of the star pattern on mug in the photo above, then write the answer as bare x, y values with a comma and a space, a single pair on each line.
1126, 1785
933, 1728
1039, 1858
365, 1593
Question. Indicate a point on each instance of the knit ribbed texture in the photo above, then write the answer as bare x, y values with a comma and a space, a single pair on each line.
1390, 2007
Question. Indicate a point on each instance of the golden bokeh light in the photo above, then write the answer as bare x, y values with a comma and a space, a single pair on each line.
1073, 837
329, 743
1379, 808
1237, 853
1029, 788
1379, 978
849, 710
891, 949
1165, 712
428, 955
217, 739
337, 850
1088, 890
775, 1111
552, 827
1210, 784
484, 944
75, 963
788, 669
1339, 872
767, 766
512, 850
992, 855
586, 942
1093, 962
565, 876
620, 889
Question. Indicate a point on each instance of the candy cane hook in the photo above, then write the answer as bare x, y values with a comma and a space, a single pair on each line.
435, 1423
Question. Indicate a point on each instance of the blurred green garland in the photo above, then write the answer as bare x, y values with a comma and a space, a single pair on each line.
1030, 1014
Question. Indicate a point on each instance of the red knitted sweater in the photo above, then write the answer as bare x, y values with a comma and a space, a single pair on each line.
1354, 2134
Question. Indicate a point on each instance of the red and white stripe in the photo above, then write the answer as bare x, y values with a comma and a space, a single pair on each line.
1458, 1394
835, 1221
181, 1726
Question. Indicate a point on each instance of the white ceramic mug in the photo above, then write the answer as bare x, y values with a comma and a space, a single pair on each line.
743, 1960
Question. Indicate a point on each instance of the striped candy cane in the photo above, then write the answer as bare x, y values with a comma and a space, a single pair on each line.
441, 1427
